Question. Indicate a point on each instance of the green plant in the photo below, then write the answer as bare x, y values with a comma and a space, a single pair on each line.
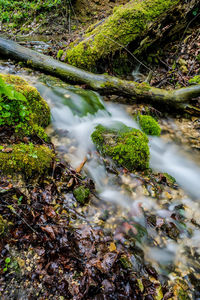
10, 263
13, 108
7, 264
195, 80
22, 107
19, 200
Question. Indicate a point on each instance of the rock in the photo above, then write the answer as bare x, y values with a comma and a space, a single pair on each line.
81, 194
149, 125
126, 146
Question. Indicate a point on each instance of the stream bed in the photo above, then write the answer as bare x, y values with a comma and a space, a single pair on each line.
162, 216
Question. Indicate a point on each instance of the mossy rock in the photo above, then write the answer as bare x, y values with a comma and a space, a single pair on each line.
36, 110
81, 194
126, 146
149, 125
40, 110
27, 159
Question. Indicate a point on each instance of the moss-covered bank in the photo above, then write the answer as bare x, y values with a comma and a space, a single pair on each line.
126, 146
25, 113
28, 159
125, 25
40, 112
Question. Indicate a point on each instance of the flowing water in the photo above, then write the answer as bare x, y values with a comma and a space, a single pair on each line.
75, 113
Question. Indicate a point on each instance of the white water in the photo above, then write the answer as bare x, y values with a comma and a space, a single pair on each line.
165, 157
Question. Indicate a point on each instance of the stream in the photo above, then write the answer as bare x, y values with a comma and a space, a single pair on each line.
75, 113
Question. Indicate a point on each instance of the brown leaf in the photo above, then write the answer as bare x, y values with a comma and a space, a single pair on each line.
70, 182
7, 150
49, 230
108, 261
50, 212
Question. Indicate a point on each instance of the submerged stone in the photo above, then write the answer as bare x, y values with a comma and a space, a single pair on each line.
82, 102
126, 146
149, 125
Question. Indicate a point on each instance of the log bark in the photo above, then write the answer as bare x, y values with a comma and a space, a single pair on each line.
104, 84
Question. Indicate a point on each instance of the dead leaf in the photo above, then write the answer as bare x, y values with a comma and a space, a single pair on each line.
49, 230
112, 247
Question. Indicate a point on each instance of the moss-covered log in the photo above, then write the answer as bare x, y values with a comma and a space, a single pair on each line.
139, 23
105, 84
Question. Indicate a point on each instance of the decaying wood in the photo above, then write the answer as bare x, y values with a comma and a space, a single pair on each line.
105, 84
135, 27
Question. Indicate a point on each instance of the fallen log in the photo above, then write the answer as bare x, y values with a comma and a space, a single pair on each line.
104, 84
137, 25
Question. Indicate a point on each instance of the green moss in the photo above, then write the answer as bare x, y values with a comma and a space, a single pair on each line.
38, 111
38, 106
81, 193
3, 225
121, 64
125, 25
195, 80
149, 125
127, 146
125, 261
59, 54
170, 179
27, 159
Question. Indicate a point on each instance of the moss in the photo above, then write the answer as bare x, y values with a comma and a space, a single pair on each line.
27, 159
125, 261
39, 112
81, 193
126, 146
125, 25
121, 64
59, 54
170, 179
3, 225
195, 80
149, 125
38, 106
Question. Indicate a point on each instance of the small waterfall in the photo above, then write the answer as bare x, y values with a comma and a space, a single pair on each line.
165, 157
